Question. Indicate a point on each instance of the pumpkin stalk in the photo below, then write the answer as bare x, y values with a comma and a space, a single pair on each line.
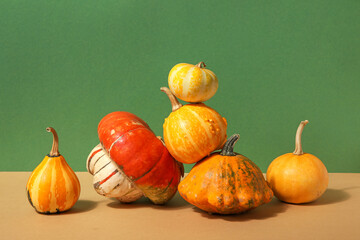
298, 147
55, 146
228, 149
201, 65
174, 101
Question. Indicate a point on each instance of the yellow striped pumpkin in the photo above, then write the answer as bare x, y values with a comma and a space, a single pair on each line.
193, 131
192, 83
53, 186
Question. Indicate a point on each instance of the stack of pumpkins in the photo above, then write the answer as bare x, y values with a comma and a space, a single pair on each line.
131, 162
222, 182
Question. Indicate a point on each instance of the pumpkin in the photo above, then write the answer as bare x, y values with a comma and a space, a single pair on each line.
108, 180
192, 83
226, 183
297, 177
192, 131
53, 186
140, 155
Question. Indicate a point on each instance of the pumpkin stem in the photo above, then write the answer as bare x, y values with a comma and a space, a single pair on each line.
174, 101
55, 146
201, 65
298, 147
228, 149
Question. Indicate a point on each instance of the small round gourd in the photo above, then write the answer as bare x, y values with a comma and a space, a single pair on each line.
192, 83
53, 187
108, 180
193, 131
226, 183
297, 177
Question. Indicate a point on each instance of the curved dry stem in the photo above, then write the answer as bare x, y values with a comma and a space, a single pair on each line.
175, 104
228, 149
55, 146
298, 147
201, 65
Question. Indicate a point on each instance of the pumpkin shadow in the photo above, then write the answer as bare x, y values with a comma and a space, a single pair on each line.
177, 202
81, 206
269, 210
330, 196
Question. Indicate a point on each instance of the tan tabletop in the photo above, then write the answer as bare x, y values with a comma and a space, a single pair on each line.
336, 215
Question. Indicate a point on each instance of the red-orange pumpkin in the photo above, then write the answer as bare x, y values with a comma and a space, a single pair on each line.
140, 155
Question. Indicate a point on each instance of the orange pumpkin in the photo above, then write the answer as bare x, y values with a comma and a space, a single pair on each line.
192, 131
192, 83
225, 183
53, 186
297, 177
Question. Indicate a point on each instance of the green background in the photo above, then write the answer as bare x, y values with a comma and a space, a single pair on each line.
66, 64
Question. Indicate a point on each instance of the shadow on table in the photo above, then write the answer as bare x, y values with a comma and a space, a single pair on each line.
331, 196
81, 206
269, 210
177, 202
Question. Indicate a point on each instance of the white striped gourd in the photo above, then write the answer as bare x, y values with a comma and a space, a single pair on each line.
53, 186
108, 180
192, 83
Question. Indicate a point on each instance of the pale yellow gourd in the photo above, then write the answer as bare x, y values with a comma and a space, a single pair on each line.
192, 83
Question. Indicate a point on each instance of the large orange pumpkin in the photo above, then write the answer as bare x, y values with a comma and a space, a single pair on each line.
193, 131
225, 183
53, 186
297, 177
192, 83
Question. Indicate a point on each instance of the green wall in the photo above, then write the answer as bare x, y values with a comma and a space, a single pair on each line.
66, 64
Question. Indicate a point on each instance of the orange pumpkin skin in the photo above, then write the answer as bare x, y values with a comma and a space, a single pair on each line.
193, 131
297, 178
53, 186
225, 185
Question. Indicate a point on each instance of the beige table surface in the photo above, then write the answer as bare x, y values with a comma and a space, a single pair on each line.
336, 215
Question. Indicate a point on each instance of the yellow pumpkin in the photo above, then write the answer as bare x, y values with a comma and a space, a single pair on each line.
193, 131
297, 177
225, 183
53, 186
192, 83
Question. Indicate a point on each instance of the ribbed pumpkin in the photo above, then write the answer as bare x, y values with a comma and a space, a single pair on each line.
53, 186
225, 183
140, 155
108, 180
192, 131
297, 177
192, 83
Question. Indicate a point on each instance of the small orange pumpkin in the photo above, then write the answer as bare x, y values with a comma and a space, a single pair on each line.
192, 131
192, 83
297, 177
53, 186
225, 183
